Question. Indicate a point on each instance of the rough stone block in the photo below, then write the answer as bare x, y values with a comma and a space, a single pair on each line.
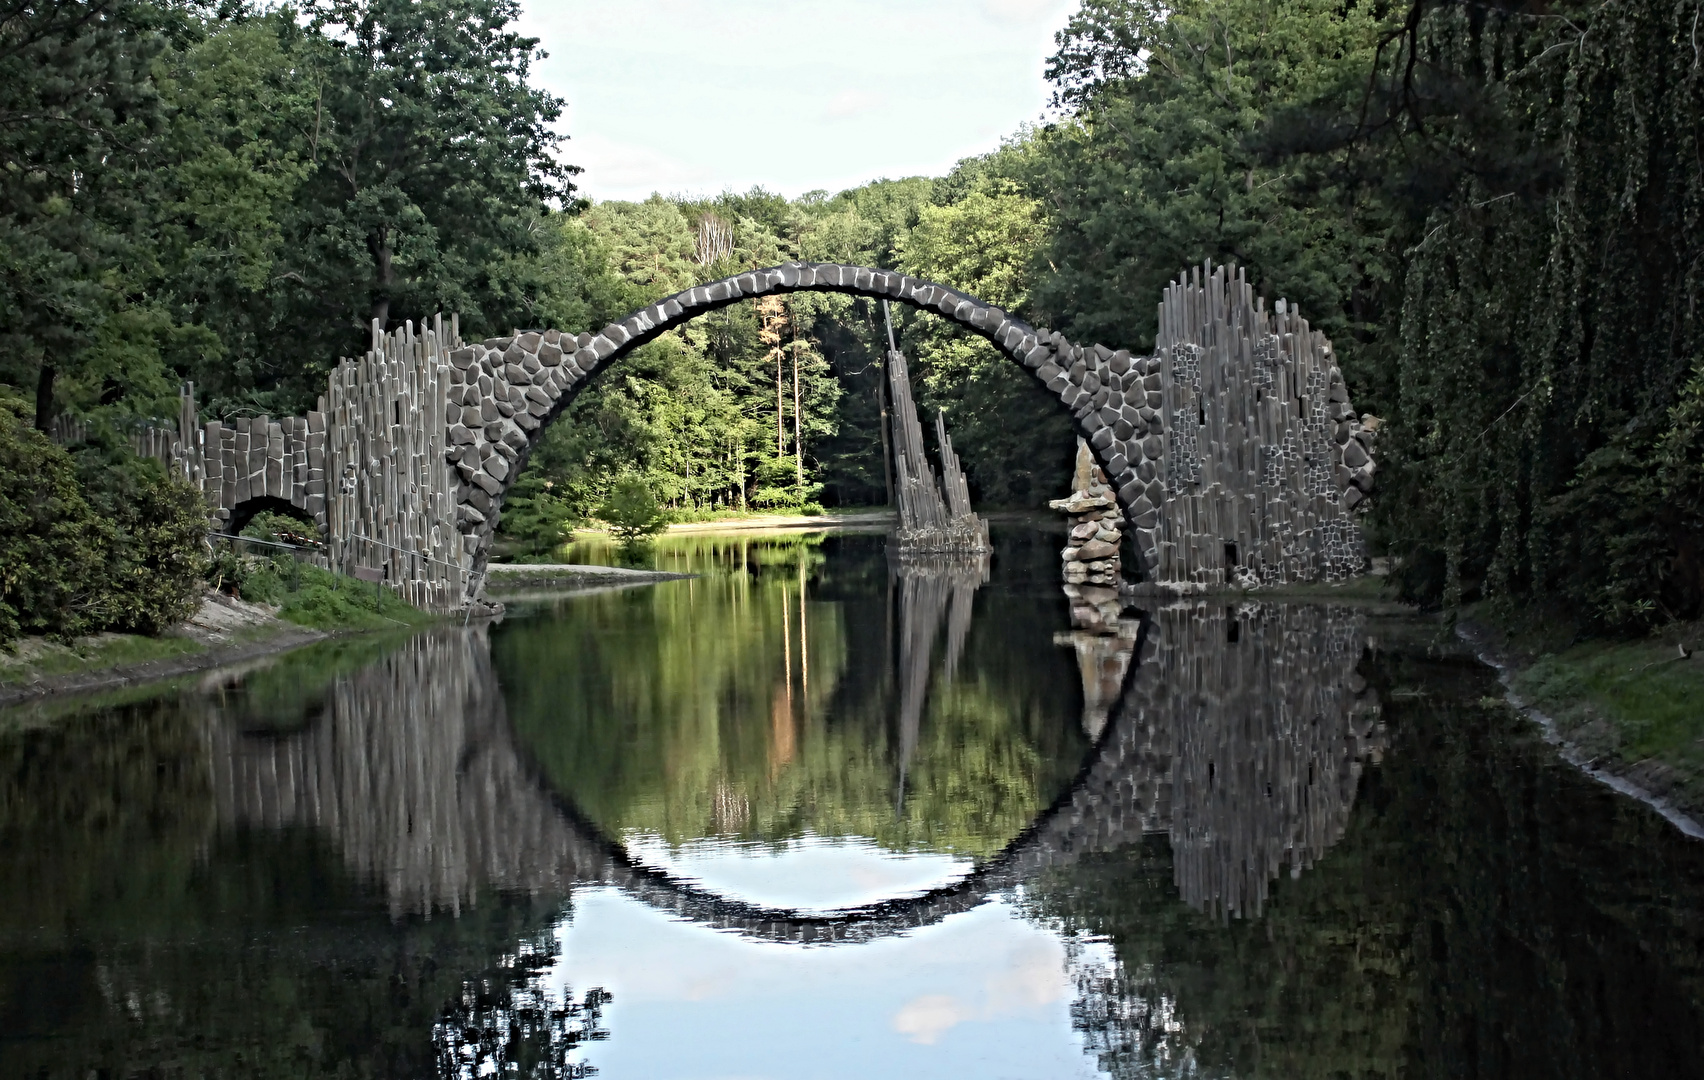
537, 395
1122, 429
1118, 463
530, 341
616, 334
1037, 357
587, 359
488, 411
506, 408
1152, 382
1354, 454
516, 373
1152, 446
537, 409
1047, 372
1156, 493
462, 359
497, 467
316, 424
527, 420
1101, 439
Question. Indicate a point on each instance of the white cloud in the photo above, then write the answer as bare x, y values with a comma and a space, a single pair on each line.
1031, 978
925, 1019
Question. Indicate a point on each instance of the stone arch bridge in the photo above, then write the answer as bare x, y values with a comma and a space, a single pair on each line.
1236, 436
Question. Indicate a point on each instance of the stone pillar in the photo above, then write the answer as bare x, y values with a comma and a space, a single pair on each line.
1097, 526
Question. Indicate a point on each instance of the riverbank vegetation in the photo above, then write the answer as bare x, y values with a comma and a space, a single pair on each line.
1629, 706
1492, 210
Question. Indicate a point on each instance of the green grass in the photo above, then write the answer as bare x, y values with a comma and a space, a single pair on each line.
1631, 704
35, 658
321, 600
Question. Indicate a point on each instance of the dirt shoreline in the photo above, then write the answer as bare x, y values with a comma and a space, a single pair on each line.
1481, 640
232, 632
282, 639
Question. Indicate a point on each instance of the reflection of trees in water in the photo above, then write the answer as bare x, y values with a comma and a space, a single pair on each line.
511, 1025
690, 710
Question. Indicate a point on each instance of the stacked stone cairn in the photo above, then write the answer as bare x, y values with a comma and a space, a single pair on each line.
1097, 526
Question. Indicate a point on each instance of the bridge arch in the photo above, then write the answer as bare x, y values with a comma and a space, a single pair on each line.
505, 391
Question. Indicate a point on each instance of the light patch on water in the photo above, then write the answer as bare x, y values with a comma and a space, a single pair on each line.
811, 873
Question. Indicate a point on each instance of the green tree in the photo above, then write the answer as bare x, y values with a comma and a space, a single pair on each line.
631, 511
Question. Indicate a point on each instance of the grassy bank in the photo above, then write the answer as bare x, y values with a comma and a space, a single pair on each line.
1635, 707
37, 658
320, 600
286, 606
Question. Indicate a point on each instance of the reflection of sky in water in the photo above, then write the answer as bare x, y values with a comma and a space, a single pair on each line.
982, 994
812, 872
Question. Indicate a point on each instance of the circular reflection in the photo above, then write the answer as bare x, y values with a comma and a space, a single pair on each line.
802, 725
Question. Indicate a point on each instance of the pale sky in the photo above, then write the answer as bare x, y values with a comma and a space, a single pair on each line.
699, 96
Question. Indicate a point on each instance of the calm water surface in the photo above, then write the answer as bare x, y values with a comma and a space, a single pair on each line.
810, 814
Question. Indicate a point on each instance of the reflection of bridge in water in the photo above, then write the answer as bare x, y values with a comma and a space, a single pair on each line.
1241, 733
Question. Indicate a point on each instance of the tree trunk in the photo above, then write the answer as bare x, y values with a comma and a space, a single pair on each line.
780, 422
798, 442
44, 397
383, 278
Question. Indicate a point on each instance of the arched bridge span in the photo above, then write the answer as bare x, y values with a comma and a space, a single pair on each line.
503, 392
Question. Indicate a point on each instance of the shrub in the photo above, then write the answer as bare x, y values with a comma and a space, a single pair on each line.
92, 541
51, 540
156, 552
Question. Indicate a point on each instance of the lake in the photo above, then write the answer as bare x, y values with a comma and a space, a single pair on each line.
817, 813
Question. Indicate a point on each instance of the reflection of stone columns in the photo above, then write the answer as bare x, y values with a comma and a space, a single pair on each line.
410, 766
930, 587
1269, 725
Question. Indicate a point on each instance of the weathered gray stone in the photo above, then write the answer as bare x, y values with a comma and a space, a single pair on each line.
460, 434
1354, 454
1095, 549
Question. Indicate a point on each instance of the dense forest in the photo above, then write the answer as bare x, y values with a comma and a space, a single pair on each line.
1491, 207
